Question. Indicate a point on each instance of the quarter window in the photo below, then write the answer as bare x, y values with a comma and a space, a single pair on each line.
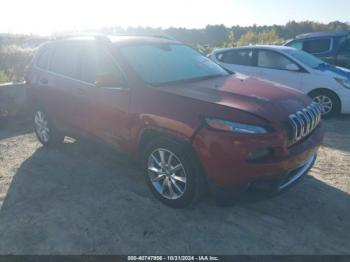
237, 57
270, 59
317, 46
65, 60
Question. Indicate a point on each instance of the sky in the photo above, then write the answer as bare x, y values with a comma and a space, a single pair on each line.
48, 16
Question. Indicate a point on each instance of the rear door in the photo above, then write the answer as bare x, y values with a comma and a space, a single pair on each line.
239, 60
106, 108
272, 66
63, 86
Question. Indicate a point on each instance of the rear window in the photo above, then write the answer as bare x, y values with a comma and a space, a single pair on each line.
237, 57
65, 60
317, 46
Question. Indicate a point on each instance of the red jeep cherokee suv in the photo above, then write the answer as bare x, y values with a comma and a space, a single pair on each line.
190, 122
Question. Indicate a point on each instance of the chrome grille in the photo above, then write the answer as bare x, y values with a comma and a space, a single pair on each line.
304, 121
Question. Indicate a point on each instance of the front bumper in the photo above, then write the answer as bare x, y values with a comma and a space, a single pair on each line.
224, 158
284, 181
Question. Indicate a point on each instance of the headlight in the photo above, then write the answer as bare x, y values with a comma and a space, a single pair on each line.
224, 125
343, 82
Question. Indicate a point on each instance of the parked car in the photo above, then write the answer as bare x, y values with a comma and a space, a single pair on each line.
325, 84
332, 47
190, 122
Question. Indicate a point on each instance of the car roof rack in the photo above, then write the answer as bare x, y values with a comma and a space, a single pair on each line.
98, 37
163, 37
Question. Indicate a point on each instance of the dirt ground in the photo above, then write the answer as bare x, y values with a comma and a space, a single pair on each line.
85, 198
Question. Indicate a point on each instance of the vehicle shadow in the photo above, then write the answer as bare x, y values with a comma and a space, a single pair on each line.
84, 199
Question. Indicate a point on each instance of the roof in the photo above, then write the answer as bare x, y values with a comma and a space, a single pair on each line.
116, 39
324, 34
267, 47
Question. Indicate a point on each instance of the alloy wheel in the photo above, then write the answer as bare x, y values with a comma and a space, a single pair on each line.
41, 126
325, 102
167, 174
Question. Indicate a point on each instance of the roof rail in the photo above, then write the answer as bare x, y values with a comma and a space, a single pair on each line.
163, 37
98, 37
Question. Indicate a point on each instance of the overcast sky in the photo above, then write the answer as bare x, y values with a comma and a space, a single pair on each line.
47, 16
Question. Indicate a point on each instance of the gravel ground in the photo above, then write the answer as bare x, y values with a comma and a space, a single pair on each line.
84, 198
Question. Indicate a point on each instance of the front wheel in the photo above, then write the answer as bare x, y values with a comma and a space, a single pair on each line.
330, 104
45, 131
171, 173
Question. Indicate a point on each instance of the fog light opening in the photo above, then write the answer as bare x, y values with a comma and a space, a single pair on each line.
259, 154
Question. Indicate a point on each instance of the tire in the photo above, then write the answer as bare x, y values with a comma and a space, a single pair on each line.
329, 102
45, 130
178, 182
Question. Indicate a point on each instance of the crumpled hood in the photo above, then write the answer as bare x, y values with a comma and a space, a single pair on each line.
265, 99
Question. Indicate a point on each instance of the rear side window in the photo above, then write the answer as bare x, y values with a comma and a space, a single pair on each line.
43, 59
271, 59
237, 57
95, 61
317, 46
65, 60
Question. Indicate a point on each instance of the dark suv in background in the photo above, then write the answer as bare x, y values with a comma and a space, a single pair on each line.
190, 122
332, 47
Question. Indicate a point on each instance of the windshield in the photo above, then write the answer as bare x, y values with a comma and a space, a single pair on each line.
305, 58
164, 63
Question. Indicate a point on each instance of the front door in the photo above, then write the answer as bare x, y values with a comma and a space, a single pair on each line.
106, 108
273, 66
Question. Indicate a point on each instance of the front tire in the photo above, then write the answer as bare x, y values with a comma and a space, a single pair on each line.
45, 131
329, 102
171, 173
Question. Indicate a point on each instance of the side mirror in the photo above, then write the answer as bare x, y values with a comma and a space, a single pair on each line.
109, 80
292, 67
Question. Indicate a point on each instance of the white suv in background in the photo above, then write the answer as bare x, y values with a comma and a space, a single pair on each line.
326, 84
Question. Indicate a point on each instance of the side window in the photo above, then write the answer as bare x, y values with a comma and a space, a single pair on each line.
43, 59
271, 59
237, 57
296, 44
343, 56
317, 46
65, 60
345, 47
95, 61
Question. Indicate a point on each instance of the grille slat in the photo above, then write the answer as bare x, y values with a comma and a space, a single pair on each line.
304, 122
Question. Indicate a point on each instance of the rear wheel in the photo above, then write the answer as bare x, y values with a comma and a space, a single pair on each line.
45, 131
329, 102
171, 173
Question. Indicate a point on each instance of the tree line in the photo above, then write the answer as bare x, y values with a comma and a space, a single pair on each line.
17, 50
